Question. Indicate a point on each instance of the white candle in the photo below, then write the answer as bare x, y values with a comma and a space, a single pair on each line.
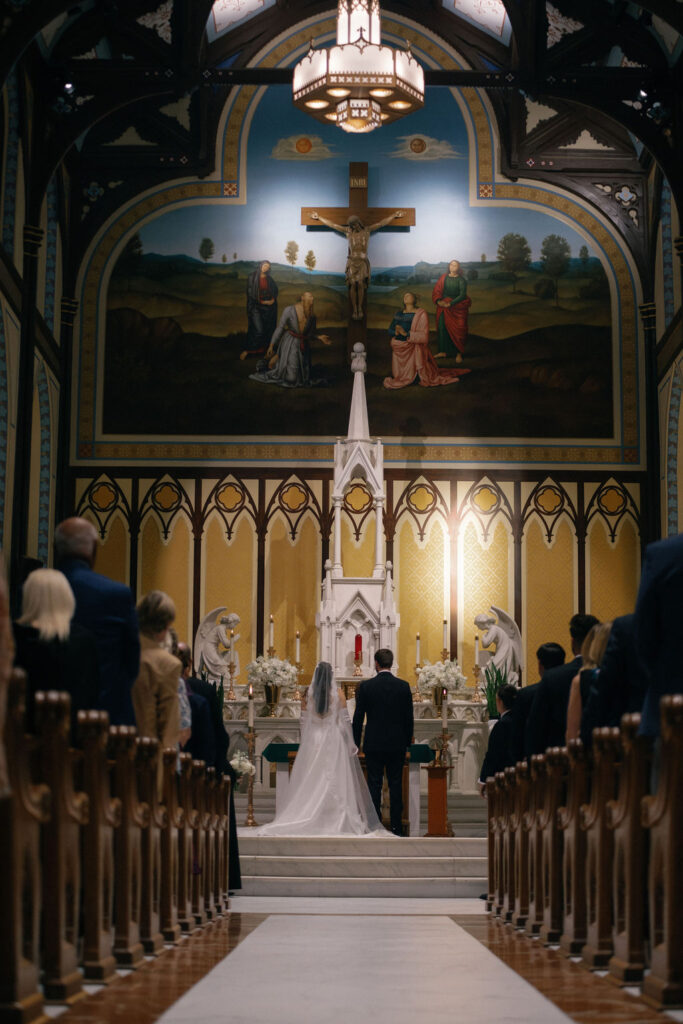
417, 649
250, 722
445, 634
232, 633
298, 647
271, 632
476, 650
444, 708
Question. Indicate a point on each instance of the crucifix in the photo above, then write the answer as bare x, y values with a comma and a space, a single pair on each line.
356, 222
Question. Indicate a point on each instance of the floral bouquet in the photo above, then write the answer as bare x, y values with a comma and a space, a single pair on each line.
243, 768
270, 672
439, 676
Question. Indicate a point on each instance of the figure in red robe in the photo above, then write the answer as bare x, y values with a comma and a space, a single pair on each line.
410, 355
452, 306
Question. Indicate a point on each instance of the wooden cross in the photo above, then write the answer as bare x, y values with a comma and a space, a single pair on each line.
358, 206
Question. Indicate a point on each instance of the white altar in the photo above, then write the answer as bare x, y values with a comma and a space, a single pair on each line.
467, 725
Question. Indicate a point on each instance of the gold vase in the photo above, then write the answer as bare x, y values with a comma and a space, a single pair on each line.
437, 696
272, 693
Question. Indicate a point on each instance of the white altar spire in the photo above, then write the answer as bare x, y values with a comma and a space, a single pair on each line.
352, 606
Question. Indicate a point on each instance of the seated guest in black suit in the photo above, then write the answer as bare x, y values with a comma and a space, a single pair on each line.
619, 687
548, 655
55, 652
547, 722
500, 754
592, 653
202, 742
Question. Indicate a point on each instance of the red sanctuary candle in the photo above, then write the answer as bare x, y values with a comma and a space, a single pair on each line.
359, 645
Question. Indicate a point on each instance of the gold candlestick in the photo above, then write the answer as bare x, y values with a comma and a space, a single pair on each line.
477, 698
271, 652
445, 654
443, 758
231, 695
250, 821
417, 697
358, 672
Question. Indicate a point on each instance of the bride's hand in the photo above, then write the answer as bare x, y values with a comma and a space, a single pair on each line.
342, 699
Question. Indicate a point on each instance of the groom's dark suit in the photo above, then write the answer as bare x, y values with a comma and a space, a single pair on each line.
387, 703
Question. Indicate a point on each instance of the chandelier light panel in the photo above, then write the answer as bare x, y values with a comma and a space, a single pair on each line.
358, 84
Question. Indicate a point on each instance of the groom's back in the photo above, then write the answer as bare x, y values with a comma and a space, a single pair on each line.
385, 701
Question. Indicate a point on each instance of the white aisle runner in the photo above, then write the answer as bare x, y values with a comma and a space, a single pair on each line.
314, 969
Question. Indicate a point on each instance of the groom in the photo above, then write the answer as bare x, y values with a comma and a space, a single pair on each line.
387, 703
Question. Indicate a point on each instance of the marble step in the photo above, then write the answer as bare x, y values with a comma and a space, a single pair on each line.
362, 867
421, 888
353, 846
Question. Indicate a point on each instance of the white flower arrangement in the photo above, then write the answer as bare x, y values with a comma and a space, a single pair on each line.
446, 674
276, 671
242, 765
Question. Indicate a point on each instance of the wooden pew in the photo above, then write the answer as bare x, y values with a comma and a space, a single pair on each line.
598, 948
557, 766
210, 822
663, 986
199, 860
630, 837
574, 915
24, 807
223, 842
509, 785
498, 782
127, 856
170, 841
60, 847
147, 770
98, 848
186, 827
491, 813
520, 832
532, 824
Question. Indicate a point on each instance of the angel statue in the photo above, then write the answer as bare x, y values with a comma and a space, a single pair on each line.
212, 644
505, 634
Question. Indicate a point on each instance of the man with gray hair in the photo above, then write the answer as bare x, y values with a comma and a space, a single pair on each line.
107, 609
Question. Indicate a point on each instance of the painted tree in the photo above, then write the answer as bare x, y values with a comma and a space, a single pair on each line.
224, 258
310, 260
483, 257
291, 252
514, 255
555, 256
584, 257
206, 249
234, 255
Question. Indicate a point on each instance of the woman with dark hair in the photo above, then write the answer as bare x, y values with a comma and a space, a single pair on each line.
410, 355
500, 750
328, 795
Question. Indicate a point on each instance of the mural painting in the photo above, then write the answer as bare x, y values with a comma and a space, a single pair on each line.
509, 306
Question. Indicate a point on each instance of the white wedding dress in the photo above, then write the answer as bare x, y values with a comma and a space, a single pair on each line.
328, 795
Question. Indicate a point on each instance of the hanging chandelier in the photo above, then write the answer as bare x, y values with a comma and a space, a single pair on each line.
358, 84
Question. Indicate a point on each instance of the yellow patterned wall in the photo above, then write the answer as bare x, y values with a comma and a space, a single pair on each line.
420, 593
229, 571
485, 576
358, 557
549, 590
293, 574
113, 553
168, 567
612, 570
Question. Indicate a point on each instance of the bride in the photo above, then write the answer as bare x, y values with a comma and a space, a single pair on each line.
328, 795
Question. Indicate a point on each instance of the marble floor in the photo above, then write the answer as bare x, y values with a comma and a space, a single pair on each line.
321, 961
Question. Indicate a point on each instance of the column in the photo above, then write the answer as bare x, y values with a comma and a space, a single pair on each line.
337, 570
378, 571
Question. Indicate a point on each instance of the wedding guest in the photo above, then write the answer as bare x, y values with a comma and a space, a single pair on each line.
592, 652
55, 652
499, 754
155, 692
619, 687
548, 655
547, 723
107, 610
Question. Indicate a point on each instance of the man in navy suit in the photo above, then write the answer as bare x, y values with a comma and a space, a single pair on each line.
657, 624
618, 688
107, 609
387, 703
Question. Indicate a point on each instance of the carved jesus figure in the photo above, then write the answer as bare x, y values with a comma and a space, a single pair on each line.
357, 262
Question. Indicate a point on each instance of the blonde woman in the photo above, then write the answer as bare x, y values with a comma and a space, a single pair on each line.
592, 652
55, 652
